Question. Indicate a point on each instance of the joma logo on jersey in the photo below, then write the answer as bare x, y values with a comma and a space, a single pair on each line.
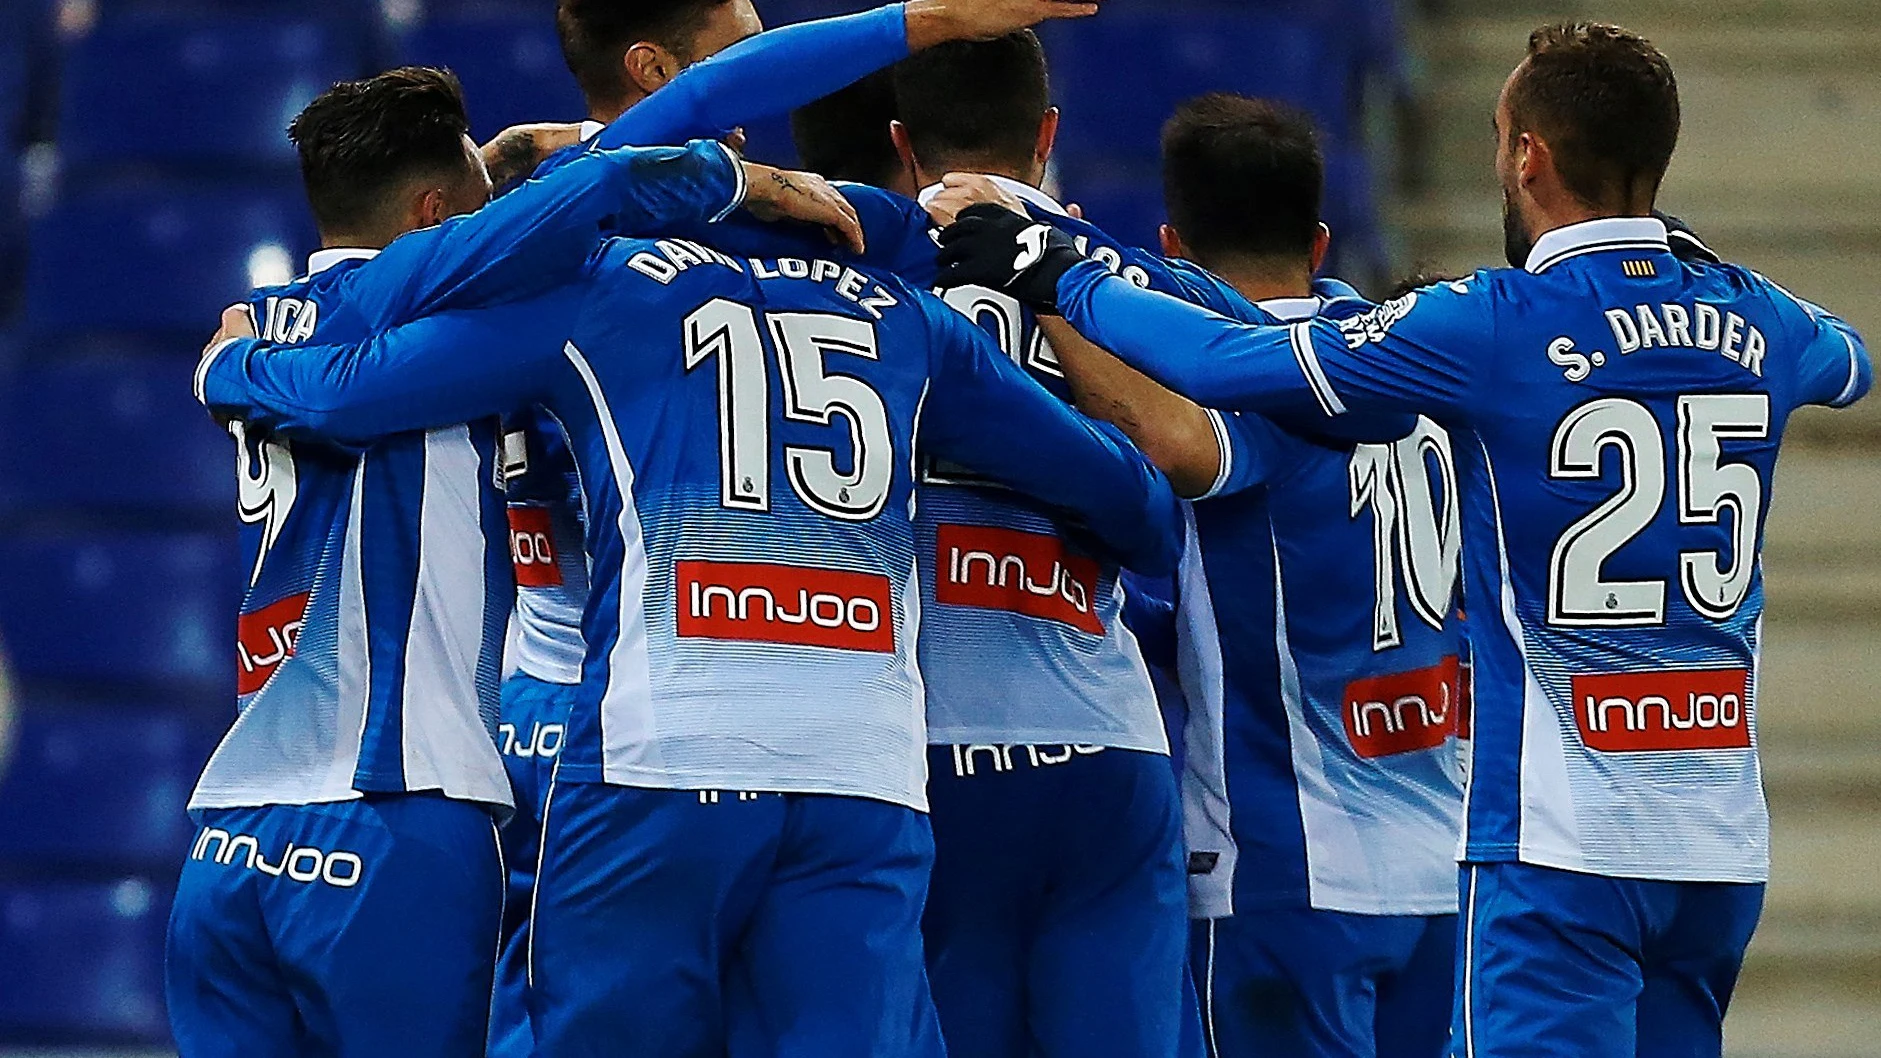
1644, 711
298, 862
532, 547
1024, 573
264, 639
1404, 712
545, 740
799, 605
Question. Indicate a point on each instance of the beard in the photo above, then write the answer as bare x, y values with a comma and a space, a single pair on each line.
1516, 242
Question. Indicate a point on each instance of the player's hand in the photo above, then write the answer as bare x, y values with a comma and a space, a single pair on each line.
962, 190
1686, 245
990, 246
517, 150
778, 194
237, 322
932, 22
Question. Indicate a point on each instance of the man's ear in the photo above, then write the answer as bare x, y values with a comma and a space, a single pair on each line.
429, 208
649, 67
1047, 138
1172, 243
1322, 242
1532, 158
904, 148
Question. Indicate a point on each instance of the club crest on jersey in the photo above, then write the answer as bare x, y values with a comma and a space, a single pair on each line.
532, 547
1404, 712
794, 605
264, 639
1033, 574
1636, 712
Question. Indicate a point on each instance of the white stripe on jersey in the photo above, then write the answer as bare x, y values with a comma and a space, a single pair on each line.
1206, 809
1301, 337
1226, 447
627, 736
355, 677
1469, 968
446, 619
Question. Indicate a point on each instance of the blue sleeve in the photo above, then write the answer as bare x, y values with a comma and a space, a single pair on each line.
1253, 452
1149, 609
1834, 367
441, 370
985, 413
1410, 355
772, 73
541, 234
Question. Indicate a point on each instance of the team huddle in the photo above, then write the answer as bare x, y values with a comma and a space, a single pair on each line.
694, 608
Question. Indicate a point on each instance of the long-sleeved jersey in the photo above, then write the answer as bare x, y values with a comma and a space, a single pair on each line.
1616, 416
371, 628
745, 433
771, 73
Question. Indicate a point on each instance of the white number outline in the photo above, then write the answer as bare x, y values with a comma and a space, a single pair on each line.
1409, 535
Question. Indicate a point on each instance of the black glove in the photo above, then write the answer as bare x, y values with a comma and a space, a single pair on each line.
991, 246
1686, 245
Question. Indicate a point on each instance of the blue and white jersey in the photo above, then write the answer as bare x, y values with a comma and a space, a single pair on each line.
1615, 416
371, 632
745, 432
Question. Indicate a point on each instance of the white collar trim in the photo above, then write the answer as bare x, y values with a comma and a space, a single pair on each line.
1024, 192
590, 129
1290, 310
321, 260
1594, 236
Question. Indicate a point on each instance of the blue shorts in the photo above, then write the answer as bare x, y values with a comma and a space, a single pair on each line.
1057, 921
529, 734
1325, 984
681, 924
1558, 964
363, 927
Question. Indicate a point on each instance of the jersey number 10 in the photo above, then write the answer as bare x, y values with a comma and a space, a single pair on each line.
1409, 535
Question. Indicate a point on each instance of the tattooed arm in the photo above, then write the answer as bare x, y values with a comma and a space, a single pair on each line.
517, 150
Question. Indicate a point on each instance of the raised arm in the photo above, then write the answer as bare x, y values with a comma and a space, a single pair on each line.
445, 369
987, 414
782, 69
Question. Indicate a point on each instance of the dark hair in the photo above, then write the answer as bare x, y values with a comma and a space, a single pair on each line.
844, 135
975, 100
360, 140
1606, 102
1242, 177
596, 35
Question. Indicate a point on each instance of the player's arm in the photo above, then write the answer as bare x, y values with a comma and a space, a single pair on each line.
541, 234
985, 413
1411, 355
1834, 369
441, 370
782, 69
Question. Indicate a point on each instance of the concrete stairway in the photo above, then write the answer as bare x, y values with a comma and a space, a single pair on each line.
1779, 166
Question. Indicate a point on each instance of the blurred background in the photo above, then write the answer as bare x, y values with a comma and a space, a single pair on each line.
145, 182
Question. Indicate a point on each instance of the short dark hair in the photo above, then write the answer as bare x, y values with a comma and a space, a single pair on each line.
977, 100
596, 34
844, 135
1606, 102
1242, 177
360, 140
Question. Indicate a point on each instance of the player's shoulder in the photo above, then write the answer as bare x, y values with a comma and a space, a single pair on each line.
558, 158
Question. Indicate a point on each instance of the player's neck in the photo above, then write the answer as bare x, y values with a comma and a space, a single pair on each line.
357, 240
1260, 281
928, 175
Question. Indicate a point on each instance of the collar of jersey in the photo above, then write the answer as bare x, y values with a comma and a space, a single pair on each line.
1290, 310
1596, 236
1023, 192
590, 129
321, 260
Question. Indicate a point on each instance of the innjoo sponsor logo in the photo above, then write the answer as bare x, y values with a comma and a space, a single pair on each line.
532, 547
1640, 711
264, 638
800, 605
300, 863
1403, 712
1024, 573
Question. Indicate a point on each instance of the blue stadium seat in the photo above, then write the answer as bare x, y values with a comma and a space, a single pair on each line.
83, 961
111, 427
195, 92
161, 257
509, 60
91, 787
1126, 202
120, 607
